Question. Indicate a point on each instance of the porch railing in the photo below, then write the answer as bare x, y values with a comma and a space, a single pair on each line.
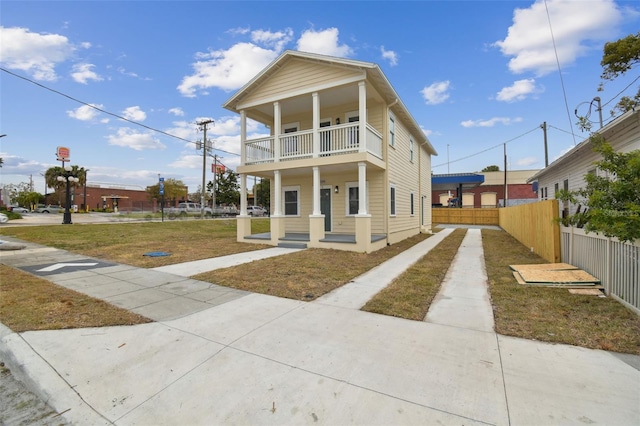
334, 140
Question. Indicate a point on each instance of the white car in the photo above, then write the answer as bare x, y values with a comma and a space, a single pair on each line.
256, 211
19, 210
3, 218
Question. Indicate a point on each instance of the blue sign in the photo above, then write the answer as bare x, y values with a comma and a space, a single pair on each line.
161, 186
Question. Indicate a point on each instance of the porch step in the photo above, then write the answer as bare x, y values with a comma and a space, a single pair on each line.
292, 245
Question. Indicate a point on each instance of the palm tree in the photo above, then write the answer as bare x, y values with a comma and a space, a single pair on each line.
51, 177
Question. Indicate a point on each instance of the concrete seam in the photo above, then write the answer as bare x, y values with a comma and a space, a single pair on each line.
504, 383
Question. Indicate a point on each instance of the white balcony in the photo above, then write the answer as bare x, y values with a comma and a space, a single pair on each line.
333, 140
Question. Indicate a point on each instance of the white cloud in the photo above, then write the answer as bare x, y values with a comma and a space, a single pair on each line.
129, 138
491, 122
437, 92
36, 54
178, 112
85, 112
226, 69
526, 161
390, 56
578, 27
82, 73
518, 91
276, 40
324, 42
134, 113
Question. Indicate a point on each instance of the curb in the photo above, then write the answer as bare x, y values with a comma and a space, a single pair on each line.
31, 369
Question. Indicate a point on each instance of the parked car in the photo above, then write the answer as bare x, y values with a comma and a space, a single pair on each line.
49, 209
19, 209
256, 211
188, 209
3, 218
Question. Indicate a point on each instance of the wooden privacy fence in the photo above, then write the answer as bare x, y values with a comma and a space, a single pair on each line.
535, 225
465, 216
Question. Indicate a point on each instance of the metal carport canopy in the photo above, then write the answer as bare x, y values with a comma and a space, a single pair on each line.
456, 181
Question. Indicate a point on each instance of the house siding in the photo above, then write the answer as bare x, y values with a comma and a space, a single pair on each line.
404, 175
623, 137
300, 76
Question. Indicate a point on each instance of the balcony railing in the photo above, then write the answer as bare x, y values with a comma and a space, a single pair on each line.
334, 140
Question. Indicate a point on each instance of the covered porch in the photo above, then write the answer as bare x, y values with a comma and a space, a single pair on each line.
301, 239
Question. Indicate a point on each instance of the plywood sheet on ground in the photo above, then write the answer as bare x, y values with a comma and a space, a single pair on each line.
587, 291
565, 276
543, 266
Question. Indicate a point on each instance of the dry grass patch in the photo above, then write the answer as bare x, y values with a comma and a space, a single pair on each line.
128, 242
552, 314
306, 274
410, 295
31, 303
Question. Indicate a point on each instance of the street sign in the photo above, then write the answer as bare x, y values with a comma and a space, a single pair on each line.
63, 153
161, 186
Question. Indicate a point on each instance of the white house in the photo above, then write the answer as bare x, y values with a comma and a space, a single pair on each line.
350, 168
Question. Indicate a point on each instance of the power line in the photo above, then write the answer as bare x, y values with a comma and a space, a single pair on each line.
107, 112
555, 50
487, 149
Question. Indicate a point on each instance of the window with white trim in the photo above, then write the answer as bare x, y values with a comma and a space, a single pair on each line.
411, 145
411, 204
353, 198
392, 131
392, 200
291, 199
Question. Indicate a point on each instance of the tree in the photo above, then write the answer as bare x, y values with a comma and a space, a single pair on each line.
618, 58
612, 199
493, 168
51, 178
174, 190
228, 189
263, 192
29, 198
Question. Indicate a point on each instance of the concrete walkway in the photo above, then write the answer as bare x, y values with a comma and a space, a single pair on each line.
355, 294
257, 359
463, 299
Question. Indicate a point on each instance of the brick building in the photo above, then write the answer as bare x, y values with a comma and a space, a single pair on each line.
98, 197
487, 190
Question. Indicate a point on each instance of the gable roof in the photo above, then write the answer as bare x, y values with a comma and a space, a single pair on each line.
373, 74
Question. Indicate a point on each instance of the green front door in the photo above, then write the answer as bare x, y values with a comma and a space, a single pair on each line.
325, 207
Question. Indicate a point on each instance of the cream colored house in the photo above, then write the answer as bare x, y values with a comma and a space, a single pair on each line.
350, 168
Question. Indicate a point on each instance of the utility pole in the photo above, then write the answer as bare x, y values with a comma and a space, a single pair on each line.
203, 126
215, 177
543, 126
505, 175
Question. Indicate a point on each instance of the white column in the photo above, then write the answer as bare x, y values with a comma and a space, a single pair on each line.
243, 194
362, 112
362, 188
243, 137
316, 124
316, 191
277, 129
277, 192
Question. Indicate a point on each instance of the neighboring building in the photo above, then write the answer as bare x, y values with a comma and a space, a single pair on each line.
350, 168
98, 197
568, 171
487, 190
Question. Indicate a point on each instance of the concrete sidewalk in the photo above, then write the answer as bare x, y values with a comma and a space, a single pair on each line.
257, 359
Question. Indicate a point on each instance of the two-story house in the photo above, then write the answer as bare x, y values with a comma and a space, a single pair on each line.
349, 167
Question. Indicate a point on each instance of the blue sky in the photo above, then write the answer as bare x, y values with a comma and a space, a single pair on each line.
474, 74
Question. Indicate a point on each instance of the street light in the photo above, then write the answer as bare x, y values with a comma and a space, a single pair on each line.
69, 177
